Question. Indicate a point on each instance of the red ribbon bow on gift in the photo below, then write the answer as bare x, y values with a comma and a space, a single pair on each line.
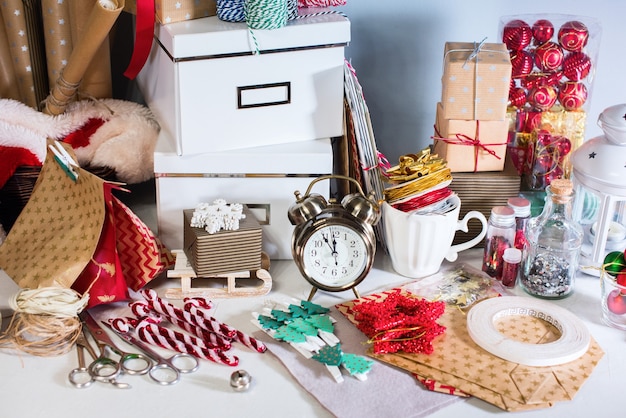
462, 139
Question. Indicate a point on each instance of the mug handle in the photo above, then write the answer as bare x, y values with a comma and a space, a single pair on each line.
462, 226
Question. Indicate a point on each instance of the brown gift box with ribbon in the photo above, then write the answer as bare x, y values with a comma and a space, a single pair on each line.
170, 11
475, 81
470, 145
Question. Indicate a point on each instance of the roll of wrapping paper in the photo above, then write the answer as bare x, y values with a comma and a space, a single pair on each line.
36, 48
8, 86
15, 26
100, 22
57, 35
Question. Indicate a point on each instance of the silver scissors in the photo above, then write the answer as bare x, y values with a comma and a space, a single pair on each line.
104, 368
166, 371
80, 377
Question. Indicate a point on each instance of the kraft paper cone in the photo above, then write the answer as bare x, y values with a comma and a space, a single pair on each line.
8, 87
58, 230
100, 22
15, 26
36, 47
58, 36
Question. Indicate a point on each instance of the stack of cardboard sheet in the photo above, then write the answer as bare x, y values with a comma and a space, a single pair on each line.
225, 251
482, 191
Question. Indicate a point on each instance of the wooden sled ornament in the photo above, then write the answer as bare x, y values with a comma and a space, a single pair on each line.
184, 271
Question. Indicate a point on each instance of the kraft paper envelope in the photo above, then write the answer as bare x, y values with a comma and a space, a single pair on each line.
457, 361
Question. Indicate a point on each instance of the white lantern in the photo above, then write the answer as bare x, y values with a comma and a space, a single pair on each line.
599, 174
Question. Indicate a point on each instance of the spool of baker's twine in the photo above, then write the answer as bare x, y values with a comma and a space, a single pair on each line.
45, 322
572, 344
231, 10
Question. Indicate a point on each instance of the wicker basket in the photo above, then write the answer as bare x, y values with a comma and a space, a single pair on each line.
17, 190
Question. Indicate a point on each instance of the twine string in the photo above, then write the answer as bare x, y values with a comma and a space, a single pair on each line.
45, 322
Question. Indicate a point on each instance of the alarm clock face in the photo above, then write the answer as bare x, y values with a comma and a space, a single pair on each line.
335, 257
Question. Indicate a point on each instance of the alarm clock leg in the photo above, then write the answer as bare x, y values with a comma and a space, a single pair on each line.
313, 291
356, 293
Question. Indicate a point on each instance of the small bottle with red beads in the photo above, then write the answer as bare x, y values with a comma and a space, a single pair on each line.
500, 236
521, 207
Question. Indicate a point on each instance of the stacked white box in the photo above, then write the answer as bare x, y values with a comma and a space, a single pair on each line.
212, 93
247, 127
263, 178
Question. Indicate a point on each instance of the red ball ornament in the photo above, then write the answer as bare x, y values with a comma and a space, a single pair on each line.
573, 35
517, 35
576, 66
542, 97
549, 57
517, 97
543, 30
521, 63
621, 279
616, 302
572, 95
563, 146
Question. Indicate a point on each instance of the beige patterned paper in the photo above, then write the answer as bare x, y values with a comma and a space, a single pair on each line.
58, 230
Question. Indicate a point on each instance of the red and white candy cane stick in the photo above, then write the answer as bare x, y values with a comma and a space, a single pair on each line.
210, 339
207, 322
183, 343
192, 306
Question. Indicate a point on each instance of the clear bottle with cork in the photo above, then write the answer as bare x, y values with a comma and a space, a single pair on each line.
554, 240
500, 236
521, 206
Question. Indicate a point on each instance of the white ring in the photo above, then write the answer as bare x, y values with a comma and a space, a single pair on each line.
573, 343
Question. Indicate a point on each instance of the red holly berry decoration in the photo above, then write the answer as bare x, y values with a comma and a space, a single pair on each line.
543, 30
576, 66
517, 35
573, 35
549, 57
572, 95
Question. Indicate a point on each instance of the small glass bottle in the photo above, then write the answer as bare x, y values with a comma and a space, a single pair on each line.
554, 241
511, 258
500, 236
521, 206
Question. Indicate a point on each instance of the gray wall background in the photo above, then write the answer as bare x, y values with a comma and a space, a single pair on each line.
397, 50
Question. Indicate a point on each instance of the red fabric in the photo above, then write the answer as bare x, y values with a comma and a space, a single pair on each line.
81, 137
12, 158
144, 30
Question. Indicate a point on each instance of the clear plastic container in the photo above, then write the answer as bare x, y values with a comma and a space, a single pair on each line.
500, 236
512, 258
554, 239
521, 207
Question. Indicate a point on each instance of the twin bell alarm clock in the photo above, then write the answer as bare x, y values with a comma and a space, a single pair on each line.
334, 244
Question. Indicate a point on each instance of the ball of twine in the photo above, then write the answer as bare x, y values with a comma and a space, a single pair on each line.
45, 322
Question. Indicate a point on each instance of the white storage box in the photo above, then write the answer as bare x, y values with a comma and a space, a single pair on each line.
212, 93
263, 178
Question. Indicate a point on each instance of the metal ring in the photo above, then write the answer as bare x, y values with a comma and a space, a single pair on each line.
240, 380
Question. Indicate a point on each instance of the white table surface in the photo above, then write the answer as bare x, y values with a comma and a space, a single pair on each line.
38, 387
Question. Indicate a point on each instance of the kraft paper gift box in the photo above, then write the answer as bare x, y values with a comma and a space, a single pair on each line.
475, 81
170, 11
470, 145
226, 251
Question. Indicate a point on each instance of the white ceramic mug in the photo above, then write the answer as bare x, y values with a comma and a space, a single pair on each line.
418, 244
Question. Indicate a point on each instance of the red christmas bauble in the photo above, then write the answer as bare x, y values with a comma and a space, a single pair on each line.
616, 302
542, 97
563, 146
543, 30
517, 35
521, 63
549, 57
573, 35
572, 95
576, 66
621, 278
517, 97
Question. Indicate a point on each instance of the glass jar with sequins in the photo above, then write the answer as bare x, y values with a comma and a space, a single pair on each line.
554, 240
